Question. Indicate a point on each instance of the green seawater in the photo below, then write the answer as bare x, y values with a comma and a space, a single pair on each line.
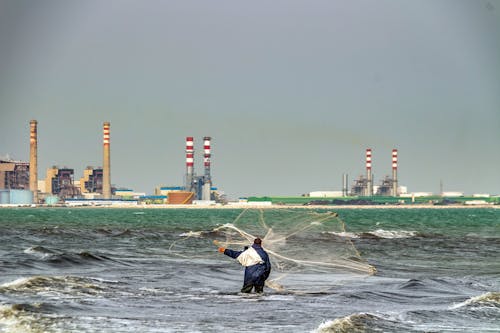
110, 270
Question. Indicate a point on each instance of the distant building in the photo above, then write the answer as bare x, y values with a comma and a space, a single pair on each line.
386, 187
60, 182
14, 175
361, 186
91, 182
325, 194
163, 190
128, 193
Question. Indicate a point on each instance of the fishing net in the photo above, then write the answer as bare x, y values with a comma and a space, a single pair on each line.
306, 248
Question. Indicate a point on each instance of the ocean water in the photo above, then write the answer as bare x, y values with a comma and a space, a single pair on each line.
111, 270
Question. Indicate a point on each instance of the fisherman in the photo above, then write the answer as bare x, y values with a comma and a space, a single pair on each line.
257, 265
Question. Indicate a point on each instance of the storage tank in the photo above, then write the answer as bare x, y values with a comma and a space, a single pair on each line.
21, 197
4, 197
51, 200
180, 198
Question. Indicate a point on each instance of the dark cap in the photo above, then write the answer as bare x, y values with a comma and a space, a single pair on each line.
257, 241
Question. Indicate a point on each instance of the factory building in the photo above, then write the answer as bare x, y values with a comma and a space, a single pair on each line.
196, 187
386, 187
14, 175
60, 182
360, 186
363, 186
201, 186
92, 179
389, 185
14, 183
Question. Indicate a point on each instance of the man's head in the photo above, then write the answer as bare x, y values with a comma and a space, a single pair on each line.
257, 241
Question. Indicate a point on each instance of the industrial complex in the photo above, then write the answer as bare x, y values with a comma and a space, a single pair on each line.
20, 185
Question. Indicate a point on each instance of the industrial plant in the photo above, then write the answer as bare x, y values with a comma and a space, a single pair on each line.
363, 186
19, 184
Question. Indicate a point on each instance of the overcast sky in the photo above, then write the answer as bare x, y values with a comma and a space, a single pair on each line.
292, 92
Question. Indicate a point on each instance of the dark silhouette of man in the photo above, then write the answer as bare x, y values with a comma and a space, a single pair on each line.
257, 265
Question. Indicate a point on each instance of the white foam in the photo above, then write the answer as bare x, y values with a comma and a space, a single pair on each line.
191, 234
390, 234
36, 251
345, 234
380, 233
16, 283
492, 298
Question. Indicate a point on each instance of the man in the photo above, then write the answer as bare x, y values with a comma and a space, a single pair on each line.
256, 261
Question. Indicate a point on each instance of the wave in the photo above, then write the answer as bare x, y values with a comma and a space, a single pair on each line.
197, 234
59, 284
40, 251
113, 233
56, 257
379, 233
21, 318
489, 299
357, 323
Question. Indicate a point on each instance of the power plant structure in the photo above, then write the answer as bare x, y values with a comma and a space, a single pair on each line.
14, 175
92, 180
60, 182
345, 182
394, 172
201, 186
189, 163
106, 170
389, 186
363, 186
34, 159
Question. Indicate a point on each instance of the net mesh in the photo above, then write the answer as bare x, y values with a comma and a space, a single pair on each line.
304, 246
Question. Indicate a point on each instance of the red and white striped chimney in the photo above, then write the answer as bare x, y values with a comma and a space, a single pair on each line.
369, 181
189, 162
207, 155
207, 182
394, 172
106, 167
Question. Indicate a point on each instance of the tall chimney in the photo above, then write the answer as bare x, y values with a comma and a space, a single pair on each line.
106, 169
189, 163
344, 185
395, 172
369, 181
207, 155
207, 185
34, 160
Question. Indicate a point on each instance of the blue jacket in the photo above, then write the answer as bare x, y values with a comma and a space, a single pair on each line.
255, 274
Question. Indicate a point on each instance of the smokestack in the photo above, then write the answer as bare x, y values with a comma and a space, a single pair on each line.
395, 172
369, 181
106, 169
189, 163
34, 160
206, 157
207, 185
344, 185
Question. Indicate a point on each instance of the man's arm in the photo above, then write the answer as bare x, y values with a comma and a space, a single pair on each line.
231, 253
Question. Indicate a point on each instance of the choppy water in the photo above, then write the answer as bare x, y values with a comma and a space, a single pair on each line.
110, 270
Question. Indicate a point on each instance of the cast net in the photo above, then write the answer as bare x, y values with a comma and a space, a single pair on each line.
306, 248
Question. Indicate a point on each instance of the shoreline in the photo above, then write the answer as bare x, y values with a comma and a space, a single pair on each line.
249, 206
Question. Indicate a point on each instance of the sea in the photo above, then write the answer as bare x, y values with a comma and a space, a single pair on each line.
112, 270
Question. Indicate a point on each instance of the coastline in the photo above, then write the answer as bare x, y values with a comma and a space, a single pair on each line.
250, 206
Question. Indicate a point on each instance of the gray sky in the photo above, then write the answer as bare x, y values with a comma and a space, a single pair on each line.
292, 92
